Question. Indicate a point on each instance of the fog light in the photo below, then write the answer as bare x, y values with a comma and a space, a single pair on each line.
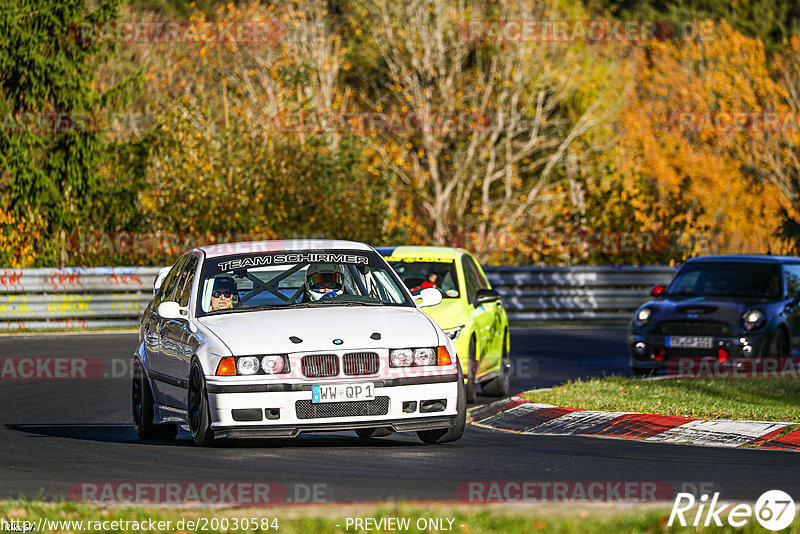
640, 348
409, 406
747, 350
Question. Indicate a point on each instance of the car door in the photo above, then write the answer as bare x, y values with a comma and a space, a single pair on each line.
176, 350
156, 330
481, 315
792, 275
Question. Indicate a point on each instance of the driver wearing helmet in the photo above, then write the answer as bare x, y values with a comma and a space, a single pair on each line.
324, 281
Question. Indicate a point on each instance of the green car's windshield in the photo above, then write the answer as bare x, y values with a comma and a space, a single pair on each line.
420, 273
298, 279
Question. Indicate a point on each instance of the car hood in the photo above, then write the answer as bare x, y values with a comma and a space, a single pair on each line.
705, 309
447, 314
269, 331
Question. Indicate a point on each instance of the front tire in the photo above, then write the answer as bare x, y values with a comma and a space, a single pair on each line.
447, 435
499, 385
142, 408
372, 433
779, 346
197, 403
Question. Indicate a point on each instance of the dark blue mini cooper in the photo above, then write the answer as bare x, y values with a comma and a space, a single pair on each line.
728, 308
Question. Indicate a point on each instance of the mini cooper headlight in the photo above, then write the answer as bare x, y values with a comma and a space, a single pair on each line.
425, 356
643, 315
452, 333
274, 364
247, 365
401, 357
752, 319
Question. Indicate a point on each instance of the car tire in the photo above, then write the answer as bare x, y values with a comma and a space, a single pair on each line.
197, 407
499, 385
447, 435
779, 346
372, 433
472, 365
142, 408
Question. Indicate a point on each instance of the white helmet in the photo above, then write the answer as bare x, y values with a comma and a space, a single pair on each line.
324, 280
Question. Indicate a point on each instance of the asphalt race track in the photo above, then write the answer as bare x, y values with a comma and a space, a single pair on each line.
57, 434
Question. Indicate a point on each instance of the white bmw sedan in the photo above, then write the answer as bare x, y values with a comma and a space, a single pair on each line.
275, 338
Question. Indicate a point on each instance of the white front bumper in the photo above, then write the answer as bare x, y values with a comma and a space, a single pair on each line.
223, 404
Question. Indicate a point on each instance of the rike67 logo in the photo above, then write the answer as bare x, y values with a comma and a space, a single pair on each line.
774, 511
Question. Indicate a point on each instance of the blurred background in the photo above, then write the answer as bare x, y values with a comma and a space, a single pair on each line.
563, 132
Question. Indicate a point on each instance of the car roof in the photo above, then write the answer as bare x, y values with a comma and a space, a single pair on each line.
448, 253
752, 258
281, 245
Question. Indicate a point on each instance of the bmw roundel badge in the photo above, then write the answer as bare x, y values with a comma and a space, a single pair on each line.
337, 341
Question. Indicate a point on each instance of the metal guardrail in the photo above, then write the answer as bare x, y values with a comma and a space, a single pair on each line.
74, 297
98, 297
580, 293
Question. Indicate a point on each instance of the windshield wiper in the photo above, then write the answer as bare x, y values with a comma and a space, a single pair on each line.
327, 302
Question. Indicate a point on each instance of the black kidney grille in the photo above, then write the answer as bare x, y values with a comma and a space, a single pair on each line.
693, 328
306, 409
320, 365
360, 363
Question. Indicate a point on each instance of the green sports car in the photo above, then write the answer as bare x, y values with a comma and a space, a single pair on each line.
471, 312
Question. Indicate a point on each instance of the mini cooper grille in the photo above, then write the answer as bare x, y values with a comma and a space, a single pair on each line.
693, 328
320, 365
360, 363
308, 410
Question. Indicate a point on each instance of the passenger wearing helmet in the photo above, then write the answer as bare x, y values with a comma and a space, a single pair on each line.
222, 293
324, 281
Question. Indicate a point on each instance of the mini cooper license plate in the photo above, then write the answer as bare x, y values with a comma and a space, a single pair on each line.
342, 393
690, 342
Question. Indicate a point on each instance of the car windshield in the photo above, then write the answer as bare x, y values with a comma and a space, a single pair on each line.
297, 279
728, 279
420, 273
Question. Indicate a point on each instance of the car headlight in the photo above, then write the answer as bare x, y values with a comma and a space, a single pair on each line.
452, 333
247, 365
401, 357
643, 315
752, 319
425, 356
417, 357
275, 364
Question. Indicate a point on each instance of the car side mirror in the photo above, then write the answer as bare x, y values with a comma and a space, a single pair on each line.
430, 296
485, 296
657, 290
796, 299
172, 310
162, 274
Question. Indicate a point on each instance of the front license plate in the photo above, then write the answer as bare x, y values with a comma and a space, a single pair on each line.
690, 342
342, 392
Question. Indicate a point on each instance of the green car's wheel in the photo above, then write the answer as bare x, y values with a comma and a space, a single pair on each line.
472, 365
499, 385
